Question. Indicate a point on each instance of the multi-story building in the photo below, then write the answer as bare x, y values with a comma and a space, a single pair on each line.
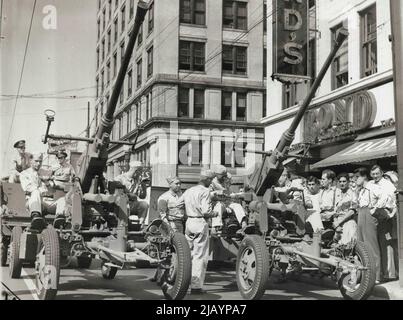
195, 82
350, 122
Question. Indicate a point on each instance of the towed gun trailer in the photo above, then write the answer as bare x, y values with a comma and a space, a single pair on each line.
272, 243
90, 200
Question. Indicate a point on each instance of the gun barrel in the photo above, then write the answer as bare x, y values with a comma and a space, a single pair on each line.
108, 118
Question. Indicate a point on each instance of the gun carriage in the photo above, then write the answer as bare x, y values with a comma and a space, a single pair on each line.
273, 239
97, 217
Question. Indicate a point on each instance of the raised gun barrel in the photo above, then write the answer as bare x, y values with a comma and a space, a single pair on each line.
267, 175
94, 160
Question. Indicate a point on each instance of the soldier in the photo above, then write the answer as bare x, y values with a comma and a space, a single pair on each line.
131, 181
36, 189
64, 173
219, 187
168, 205
20, 162
198, 207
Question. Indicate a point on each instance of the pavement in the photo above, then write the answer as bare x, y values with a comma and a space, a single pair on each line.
134, 284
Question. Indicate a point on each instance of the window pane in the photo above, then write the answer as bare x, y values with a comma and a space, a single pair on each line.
241, 107
183, 102
228, 14
184, 55
242, 16
198, 104
226, 110
185, 11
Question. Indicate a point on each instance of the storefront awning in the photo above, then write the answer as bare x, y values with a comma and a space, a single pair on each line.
361, 151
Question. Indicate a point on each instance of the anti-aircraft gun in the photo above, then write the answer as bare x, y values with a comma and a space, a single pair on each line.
96, 214
268, 246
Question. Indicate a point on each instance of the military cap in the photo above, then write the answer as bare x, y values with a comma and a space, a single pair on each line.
220, 170
135, 164
19, 144
207, 174
37, 156
173, 179
61, 154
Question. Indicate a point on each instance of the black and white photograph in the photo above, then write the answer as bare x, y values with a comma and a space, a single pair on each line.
201, 150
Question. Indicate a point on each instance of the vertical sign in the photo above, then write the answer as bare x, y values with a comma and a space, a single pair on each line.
291, 40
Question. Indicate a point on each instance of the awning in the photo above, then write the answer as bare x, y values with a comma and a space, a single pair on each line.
361, 151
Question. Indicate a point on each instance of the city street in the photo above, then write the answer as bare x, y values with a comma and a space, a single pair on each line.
84, 284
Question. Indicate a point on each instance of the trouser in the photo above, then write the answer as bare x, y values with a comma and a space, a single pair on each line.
176, 225
367, 233
218, 208
38, 204
388, 248
197, 236
14, 177
139, 208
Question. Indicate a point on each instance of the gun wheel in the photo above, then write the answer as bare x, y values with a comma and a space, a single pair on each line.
15, 261
177, 278
252, 267
48, 265
358, 285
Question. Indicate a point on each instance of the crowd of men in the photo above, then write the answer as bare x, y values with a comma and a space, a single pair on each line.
359, 205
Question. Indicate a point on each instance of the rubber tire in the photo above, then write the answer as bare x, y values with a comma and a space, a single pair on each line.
178, 290
84, 262
4, 253
50, 240
367, 279
262, 267
108, 273
15, 261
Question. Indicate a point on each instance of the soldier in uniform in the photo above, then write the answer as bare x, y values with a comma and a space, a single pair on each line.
198, 207
19, 163
35, 190
168, 205
131, 181
64, 173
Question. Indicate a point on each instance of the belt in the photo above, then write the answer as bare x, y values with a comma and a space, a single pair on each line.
195, 217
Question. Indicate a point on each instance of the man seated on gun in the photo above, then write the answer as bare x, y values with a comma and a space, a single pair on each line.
131, 180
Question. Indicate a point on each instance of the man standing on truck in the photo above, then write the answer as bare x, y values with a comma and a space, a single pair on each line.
19, 163
64, 173
198, 207
35, 190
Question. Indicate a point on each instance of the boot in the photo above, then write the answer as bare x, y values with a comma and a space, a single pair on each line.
38, 223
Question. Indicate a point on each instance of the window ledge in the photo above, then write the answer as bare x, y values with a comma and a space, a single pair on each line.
235, 75
193, 25
191, 72
235, 30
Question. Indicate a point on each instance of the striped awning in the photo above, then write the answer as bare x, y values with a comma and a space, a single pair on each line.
361, 151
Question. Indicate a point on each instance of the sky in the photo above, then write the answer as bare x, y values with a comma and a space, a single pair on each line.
59, 70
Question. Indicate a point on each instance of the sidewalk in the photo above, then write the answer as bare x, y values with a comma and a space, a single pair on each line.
390, 290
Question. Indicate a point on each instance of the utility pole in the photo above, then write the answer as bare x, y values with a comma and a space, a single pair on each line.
396, 12
88, 119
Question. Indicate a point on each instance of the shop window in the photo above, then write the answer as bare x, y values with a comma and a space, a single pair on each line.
233, 156
193, 12
183, 103
234, 60
235, 15
340, 62
191, 55
369, 55
226, 106
190, 152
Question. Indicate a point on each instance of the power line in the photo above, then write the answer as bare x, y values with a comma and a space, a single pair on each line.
21, 75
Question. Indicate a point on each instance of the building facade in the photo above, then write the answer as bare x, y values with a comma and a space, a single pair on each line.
195, 85
350, 121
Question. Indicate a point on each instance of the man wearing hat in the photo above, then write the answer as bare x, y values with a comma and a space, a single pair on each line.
19, 163
131, 180
198, 207
35, 190
64, 172
168, 205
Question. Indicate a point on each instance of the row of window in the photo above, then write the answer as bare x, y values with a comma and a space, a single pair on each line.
105, 46
234, 15
105, 75
340, 66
